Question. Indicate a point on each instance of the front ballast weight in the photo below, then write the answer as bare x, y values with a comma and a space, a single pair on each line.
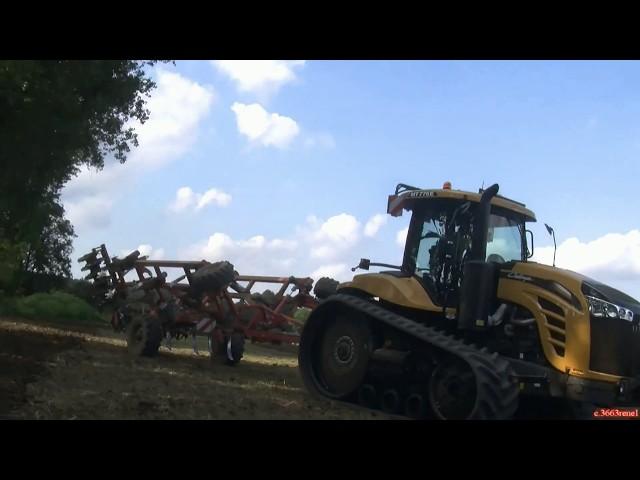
205, 300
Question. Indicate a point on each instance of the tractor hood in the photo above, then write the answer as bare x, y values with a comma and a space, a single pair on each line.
587, 285
610, 294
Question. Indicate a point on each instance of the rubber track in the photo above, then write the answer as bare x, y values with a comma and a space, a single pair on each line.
497, 389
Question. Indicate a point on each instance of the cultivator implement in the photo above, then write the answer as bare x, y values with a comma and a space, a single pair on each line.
206, 299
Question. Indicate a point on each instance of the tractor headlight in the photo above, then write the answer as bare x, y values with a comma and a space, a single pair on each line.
600, 308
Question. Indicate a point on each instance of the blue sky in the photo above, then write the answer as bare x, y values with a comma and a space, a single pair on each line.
285, 167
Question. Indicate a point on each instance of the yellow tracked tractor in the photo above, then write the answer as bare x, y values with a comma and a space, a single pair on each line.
467, 327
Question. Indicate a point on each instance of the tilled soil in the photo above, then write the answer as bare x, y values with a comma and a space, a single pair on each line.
68, 372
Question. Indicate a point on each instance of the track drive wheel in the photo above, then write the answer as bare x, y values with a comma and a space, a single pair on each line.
452, 391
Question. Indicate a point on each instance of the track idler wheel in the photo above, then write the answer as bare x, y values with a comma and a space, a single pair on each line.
334, 354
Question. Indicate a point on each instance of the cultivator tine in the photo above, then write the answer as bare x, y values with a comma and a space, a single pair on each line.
194, 343
90, 266
89, 257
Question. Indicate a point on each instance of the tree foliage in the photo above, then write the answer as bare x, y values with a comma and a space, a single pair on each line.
56, 116
49, 251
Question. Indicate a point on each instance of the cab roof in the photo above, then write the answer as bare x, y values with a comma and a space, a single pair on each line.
406, 199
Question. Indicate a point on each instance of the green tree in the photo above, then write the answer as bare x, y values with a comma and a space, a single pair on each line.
50, 250
56, 116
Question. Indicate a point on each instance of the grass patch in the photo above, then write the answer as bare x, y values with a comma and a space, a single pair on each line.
55, 306
302, 314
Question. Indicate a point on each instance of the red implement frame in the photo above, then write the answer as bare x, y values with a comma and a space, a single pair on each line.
216, 313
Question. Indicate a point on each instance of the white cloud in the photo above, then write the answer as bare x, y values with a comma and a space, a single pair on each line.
340, 228
322, 140
256, 255
89, 212
262, 127
612, 256
187, 198
278, 243
332, 237
316, 244
401, 236
374, 224
145, 250
261, 77
217, 197
177, 106
322, 252
337, 271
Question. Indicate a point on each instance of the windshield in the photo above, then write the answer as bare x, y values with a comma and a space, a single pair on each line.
504, 242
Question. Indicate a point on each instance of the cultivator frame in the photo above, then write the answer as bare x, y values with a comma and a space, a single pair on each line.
218, 313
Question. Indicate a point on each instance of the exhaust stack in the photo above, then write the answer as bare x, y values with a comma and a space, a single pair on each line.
479, 277
481, 225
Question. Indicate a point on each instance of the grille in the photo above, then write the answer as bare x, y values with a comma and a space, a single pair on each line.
555, 324
615, 347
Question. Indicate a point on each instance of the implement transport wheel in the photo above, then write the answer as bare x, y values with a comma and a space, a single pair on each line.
228, 350
211, 278
343, 355
144, 336
452, 391
325, 287
233, 348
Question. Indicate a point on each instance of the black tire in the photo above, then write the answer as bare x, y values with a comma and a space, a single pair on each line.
452, 390
233, 348
229, 352
266, 298
212, 277
325, 287
345, 346
120, 320
144, 337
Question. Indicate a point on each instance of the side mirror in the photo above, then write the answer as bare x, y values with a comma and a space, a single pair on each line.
364, 264
530, 250
553, 234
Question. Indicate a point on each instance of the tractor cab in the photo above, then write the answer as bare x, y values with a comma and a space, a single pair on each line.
450, 227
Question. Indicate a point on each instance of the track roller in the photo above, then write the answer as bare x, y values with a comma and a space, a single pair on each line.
391, 401
368, 396
415, 406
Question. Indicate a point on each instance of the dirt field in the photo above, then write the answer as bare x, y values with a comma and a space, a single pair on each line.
67, 372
